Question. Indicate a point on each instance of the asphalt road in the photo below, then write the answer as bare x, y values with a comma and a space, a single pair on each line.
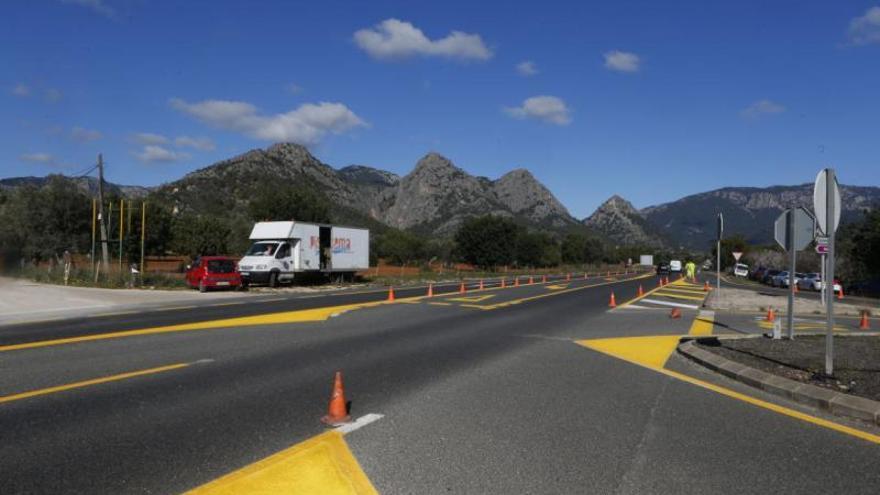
479, 395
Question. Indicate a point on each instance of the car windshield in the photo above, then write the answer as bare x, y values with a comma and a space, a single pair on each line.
262, 249
221, 266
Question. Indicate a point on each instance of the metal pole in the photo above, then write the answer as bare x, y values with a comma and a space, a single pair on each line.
789, 241
143, 235
105, 252
718, 265
94, 223
823, 285
829, 297
121, 230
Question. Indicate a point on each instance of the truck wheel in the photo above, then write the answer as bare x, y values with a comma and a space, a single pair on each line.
202, 287
273, 279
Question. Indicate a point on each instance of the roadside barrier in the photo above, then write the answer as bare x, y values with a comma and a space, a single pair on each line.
612, 303
337, 411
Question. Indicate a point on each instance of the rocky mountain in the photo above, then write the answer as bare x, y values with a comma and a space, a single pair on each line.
434, 198
750, 211
88, 185
619, 221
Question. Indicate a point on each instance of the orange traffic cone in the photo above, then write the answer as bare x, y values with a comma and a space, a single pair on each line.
390, 294
516, 281
430, 290
612, 303
675, 313
543, 279
568, 277
481, 284
706, 286
462, 289
585, 275
337, 412
609, 273
771, 316
839, 294
503, 283
660, 282
641, 291
864, 324
531, 280
795, 289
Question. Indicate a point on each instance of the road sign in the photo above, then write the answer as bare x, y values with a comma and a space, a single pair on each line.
737, 255
822, 243
804, 228
820, 201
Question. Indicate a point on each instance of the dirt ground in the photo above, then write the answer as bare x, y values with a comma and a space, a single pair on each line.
856, 360
729, 298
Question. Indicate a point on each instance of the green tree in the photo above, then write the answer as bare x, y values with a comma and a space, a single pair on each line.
280, 202
735, 243
537, 249
401, 247
487, 241
574, 248
196, 235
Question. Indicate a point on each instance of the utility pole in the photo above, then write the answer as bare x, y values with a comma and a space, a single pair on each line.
105, 252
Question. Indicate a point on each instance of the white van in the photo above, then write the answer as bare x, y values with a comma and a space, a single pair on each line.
675, 266
283, 249
741, 270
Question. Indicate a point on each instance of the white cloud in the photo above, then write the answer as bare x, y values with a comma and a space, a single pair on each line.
147, 138
546, 108
152, 153
396, 39
622, 61
762, 107
53, 95
203, 144
527, 68
865, 29
98, 6
84, 135
44, 158
306, 125
21, 90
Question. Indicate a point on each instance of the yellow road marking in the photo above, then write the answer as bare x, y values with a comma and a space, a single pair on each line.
558, 292
557, 287
702, 325
679, 296
322, 464
802, 326
304, 315
87, 383
684, 290
440, 304
472, 299
652, 353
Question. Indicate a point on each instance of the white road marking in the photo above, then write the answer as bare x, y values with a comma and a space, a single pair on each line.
665, 303
359, 423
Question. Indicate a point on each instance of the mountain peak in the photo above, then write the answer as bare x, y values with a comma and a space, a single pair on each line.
435, 163
618, 203
617, 219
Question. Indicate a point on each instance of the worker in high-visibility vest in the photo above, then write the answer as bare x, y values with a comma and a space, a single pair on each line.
691, 268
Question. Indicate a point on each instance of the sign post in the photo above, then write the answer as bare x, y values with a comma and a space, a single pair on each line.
718, 252
827, 205
794, 230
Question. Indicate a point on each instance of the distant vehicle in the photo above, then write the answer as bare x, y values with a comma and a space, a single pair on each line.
768, 275
213, 272
741, 270
776, 280
663, 268
283, 249
675, 266
784, 281
758, 273
810, 281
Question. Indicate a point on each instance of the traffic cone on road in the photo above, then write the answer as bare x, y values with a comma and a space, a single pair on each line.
503, 283
462, 289
531, 280
543, 279
641, 291
706, 287
660, 282
795, 289
430, 290
771, 316
390, 294
481, 284
568, 277
839, 294
585, 275
675, 313
864, 324
337, 412
612, 303
516, 281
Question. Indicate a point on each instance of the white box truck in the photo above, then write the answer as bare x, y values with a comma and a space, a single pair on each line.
283, 249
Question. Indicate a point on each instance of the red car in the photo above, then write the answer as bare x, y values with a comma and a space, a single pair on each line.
210, 272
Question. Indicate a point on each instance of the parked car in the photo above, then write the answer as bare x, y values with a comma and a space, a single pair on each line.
767, 278
675, 266
810, 281
741, 270
758, 273
776, 280
210, 272
663, 269
784, 281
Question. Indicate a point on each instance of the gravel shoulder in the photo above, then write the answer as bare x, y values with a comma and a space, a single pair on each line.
729, 298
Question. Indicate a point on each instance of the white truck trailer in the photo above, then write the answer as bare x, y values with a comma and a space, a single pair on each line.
283, 249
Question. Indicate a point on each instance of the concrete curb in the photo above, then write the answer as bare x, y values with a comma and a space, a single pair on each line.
836, 403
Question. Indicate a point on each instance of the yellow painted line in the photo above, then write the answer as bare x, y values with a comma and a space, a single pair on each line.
475, 306
87, 383
684, 290
679, 296
304, 315
559, 292
652, 353
557, 287
440, 304
472, 299
646, 294
702, 324
234, 303
322, 464
802, 326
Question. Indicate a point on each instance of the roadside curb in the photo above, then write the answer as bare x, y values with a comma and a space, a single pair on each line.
836, 403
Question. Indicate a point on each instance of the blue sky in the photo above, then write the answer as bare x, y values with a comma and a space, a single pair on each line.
650, 100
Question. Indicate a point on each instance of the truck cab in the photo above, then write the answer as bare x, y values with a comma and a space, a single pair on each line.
269, 262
